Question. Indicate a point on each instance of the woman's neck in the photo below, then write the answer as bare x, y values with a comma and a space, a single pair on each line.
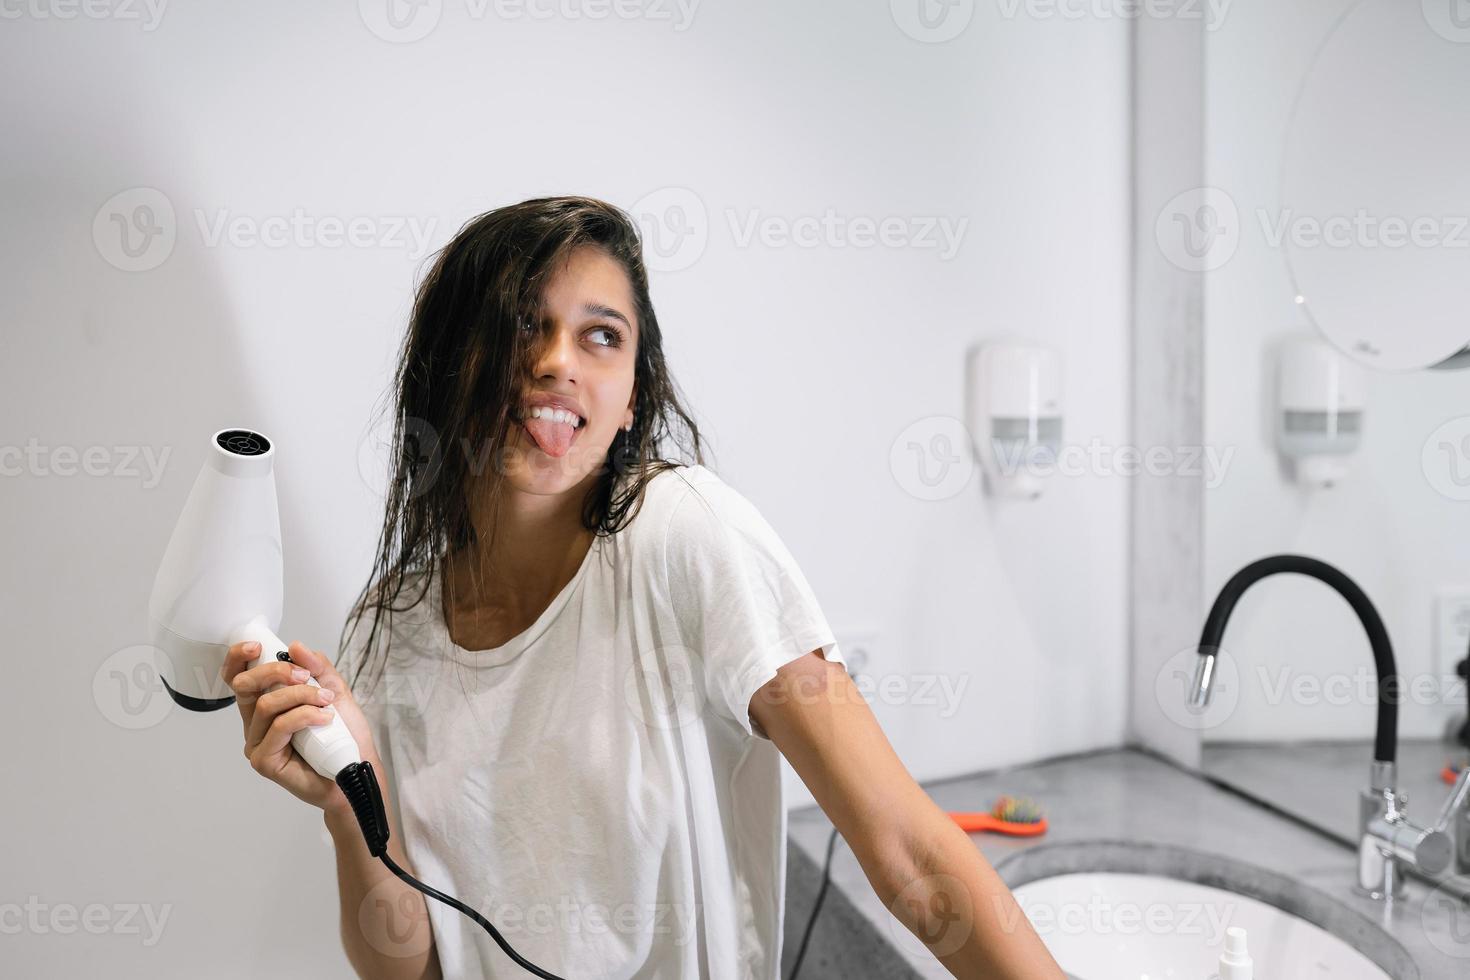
537, 545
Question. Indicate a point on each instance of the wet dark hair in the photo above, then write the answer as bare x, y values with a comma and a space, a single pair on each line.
465, 364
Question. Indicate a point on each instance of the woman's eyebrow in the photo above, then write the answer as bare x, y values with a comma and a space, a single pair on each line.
600, 309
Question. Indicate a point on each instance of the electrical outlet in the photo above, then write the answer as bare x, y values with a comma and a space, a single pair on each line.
1451, 638
860, 650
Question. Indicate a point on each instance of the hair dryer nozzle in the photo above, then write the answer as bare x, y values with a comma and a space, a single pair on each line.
221, 570
242, 442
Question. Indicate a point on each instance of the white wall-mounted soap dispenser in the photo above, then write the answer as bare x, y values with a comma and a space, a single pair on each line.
1015, 414
1321, 395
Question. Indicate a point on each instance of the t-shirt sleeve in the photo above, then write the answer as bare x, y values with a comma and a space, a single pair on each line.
742, 604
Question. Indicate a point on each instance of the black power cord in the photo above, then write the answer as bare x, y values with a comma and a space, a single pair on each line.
360, 785
816, 906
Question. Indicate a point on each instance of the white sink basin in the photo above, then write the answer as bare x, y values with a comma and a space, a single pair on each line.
1120, 926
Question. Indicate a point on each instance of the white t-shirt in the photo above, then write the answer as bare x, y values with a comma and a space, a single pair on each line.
595, 786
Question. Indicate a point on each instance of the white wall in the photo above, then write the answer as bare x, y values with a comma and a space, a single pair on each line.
1386, 525
1018, 126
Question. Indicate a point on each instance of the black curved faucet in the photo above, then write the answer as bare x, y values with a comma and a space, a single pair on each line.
1389, 841
1385, 742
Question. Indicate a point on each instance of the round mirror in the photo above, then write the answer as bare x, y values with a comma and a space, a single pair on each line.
1375, 185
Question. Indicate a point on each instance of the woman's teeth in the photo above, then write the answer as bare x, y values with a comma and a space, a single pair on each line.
556, 415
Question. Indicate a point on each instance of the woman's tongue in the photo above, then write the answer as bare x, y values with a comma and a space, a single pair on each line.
554, 438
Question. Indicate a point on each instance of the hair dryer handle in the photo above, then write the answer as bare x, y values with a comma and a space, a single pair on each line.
326, 748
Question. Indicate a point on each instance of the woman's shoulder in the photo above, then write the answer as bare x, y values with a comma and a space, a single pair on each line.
663, 491
704, 517
676, 479
692, 495
679, 509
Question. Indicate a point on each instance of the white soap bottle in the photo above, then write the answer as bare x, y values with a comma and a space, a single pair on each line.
1235, 962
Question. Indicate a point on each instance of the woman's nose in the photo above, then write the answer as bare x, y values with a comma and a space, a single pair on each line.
557, 355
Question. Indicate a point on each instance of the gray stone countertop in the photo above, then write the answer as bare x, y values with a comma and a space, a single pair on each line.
1123, 795
1319, 781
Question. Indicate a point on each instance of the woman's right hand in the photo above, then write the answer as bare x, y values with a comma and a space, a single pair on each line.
272, 717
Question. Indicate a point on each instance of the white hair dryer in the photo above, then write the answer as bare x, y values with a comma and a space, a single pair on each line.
220, 583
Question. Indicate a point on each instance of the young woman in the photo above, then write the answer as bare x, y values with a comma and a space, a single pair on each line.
578, 660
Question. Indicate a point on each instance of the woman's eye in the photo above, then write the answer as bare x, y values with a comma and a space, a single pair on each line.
615, 338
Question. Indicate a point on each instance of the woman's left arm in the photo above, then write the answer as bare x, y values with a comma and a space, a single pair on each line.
920, 863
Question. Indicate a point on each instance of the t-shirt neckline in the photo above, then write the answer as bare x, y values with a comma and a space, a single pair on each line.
516, 645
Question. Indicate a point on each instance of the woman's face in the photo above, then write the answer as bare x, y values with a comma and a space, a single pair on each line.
588, 344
